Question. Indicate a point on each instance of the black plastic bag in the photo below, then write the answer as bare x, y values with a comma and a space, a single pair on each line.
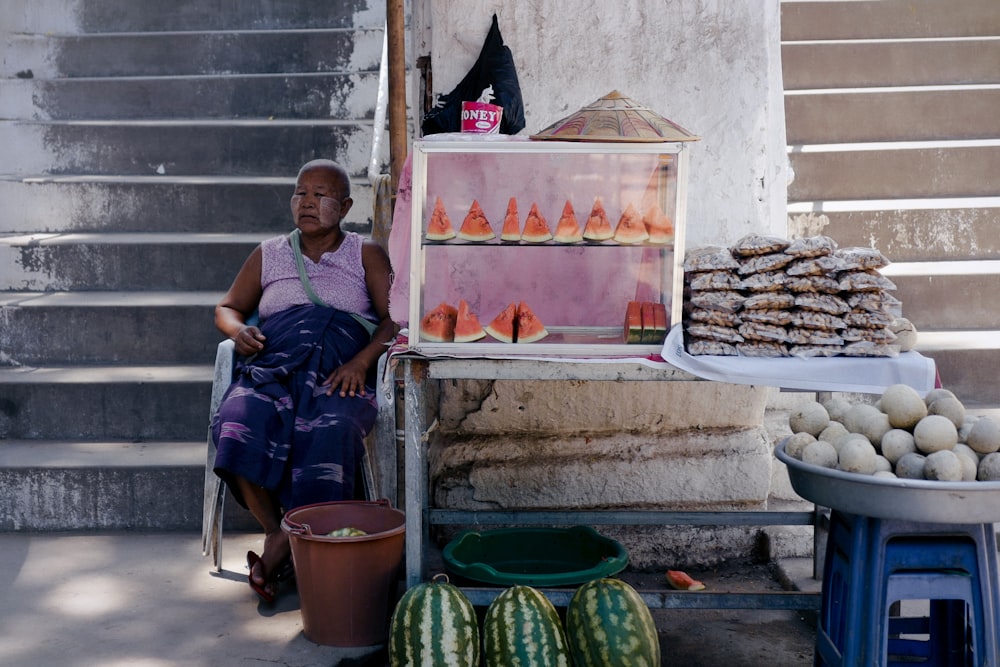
494, 67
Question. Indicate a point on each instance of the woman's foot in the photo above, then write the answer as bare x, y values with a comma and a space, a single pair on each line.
273, 566
259, 578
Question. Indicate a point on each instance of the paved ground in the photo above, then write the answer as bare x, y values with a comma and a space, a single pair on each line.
139, 600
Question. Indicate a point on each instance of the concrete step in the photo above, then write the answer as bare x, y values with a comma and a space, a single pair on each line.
949, 294
52, 485
174, 327
183, 15
890, 62
131, 262
895, 170
181, 147
198, 204
262, 96
906, 230
203, 52
892, 114
872, 19
967, 361
105, 402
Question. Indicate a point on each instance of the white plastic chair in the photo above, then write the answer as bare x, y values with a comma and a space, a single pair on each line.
381, 440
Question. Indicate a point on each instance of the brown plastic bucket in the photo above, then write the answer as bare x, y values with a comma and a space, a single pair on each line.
346, 584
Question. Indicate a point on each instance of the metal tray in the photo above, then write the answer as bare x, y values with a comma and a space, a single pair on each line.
925, 501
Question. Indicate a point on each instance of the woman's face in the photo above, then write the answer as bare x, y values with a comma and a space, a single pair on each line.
319, 202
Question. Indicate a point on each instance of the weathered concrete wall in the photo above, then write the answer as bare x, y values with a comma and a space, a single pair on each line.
713, 67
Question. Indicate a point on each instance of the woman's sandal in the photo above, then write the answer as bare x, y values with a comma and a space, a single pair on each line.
268, 592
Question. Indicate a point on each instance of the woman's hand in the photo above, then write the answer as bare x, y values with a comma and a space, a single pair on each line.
249, 341
349, 379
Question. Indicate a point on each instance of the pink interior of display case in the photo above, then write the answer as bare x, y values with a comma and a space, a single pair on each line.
582, 284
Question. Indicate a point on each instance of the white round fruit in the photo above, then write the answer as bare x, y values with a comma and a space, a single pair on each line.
834, 432
951, 408
797, 442
836, 408
810, 418
887, 474
820, 453
896, 443
989, 468
943, 466
984, 436
963, 430
875, 426
911, 466
935, 394
857, 416
882, 464
857, 456
906, 333
934, 433
903, 405
970, 461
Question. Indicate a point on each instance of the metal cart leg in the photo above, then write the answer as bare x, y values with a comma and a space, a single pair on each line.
415, 473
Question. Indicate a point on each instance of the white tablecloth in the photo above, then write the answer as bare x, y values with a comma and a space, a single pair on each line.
868, 375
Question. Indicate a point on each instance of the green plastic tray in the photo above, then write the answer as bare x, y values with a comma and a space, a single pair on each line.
534, 556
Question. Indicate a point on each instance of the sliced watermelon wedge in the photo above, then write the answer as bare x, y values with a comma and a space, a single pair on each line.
630, 228
439, 227
682, 582
511, 223
476, 227
467, 326
502, 326
633, 322
598, 226
568, 228
439, 324
536, 229
659, 225
529, 327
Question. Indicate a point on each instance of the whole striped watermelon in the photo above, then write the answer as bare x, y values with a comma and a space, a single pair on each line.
434, 625
608, 625
522, 629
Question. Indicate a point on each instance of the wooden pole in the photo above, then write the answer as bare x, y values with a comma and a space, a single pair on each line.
396, 42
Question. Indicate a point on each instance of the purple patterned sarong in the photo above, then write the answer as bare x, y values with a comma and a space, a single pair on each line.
277, 427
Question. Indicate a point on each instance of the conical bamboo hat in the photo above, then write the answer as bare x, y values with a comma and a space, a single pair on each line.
615, 117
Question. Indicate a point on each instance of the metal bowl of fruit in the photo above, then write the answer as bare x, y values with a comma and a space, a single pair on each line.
926, 501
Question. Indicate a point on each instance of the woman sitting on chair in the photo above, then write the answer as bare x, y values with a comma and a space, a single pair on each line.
289, 430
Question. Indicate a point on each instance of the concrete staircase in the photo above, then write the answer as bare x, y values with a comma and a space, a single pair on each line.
894, 138
147, 147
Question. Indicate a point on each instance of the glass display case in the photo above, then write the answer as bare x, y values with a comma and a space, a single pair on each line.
545, 248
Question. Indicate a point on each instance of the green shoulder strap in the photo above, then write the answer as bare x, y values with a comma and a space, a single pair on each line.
293, 240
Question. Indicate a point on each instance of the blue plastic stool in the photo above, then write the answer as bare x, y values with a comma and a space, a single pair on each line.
871, 564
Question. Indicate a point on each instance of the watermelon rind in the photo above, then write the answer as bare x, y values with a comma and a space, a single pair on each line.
648, 322
434, 624
609, 625
521, 627
633, 322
